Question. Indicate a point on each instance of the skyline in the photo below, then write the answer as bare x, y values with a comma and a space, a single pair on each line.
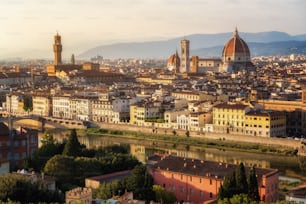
29, 26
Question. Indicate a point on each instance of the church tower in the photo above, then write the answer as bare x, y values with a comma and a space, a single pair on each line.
57, 49
184, 56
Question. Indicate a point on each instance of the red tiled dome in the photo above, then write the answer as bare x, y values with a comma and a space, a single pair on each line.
174, 59
234, 46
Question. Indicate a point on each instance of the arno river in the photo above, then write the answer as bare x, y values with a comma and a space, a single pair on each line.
289, 166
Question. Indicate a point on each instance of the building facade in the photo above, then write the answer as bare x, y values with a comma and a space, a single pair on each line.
198, 181
229, 118
265, 124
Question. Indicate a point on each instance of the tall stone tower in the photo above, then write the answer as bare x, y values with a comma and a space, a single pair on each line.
57, 49
184, 56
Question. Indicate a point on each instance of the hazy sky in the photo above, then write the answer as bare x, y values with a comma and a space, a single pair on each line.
28, 26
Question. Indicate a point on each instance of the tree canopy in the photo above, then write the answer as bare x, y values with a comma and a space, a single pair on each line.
236, 188
73, 147
16, 187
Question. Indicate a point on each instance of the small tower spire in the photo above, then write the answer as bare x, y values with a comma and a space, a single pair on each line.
236, 32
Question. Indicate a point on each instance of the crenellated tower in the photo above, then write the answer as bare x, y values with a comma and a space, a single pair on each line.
57, 49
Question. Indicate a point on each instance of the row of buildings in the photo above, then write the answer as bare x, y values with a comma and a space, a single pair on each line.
192, 111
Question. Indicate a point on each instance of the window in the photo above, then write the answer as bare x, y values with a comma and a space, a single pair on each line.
190, 178
182, 189
210, 195
210, 182
191, 190
200, 180
201, 193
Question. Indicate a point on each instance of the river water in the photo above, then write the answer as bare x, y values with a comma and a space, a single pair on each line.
291, 167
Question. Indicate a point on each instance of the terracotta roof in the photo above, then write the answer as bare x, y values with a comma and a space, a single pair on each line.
235, 45
203, 168
231, 106
174, 59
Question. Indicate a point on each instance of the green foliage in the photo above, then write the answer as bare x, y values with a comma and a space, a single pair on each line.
27, 103
237, 199
48, 149
73, 146
237, 189
107, 190
253, 186
174, 132
15, 187
241, 179
140, 183
63, 168
164, 196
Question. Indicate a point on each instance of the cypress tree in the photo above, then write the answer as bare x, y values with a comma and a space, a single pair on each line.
241, 180
73, 146
253, 186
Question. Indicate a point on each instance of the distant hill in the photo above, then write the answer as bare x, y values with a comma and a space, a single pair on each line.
259, 49
204, 45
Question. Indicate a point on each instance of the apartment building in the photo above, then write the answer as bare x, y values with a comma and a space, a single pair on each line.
229, 118
42, 105
61, 107
80, 108
197, 181
142, 112
265, 123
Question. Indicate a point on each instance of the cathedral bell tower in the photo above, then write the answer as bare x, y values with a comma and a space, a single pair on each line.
185, 63
57, 49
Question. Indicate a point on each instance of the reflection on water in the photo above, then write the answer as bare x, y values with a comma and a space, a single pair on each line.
290, 166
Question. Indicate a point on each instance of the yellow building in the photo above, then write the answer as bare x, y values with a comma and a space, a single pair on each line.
145, 112
229, 118
295, 113
265, 123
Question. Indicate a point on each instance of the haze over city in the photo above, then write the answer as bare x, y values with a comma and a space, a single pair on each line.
27, 26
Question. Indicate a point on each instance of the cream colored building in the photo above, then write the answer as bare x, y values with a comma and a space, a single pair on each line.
140, 113
80, 109
188, 95
102, 111
14, 103
61, 107
42, 105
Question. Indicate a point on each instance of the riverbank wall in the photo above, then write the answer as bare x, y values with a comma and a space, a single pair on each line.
280, 142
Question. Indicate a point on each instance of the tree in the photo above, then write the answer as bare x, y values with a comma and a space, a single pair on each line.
253, 186
237, 199
140, 183
27, 103
241, 180
174, 132
48, 149
73, 146
187, 133
107, 190
229, 185
17, 187
164, 196
63, 168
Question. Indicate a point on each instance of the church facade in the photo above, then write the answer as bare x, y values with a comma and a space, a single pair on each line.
235, 57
